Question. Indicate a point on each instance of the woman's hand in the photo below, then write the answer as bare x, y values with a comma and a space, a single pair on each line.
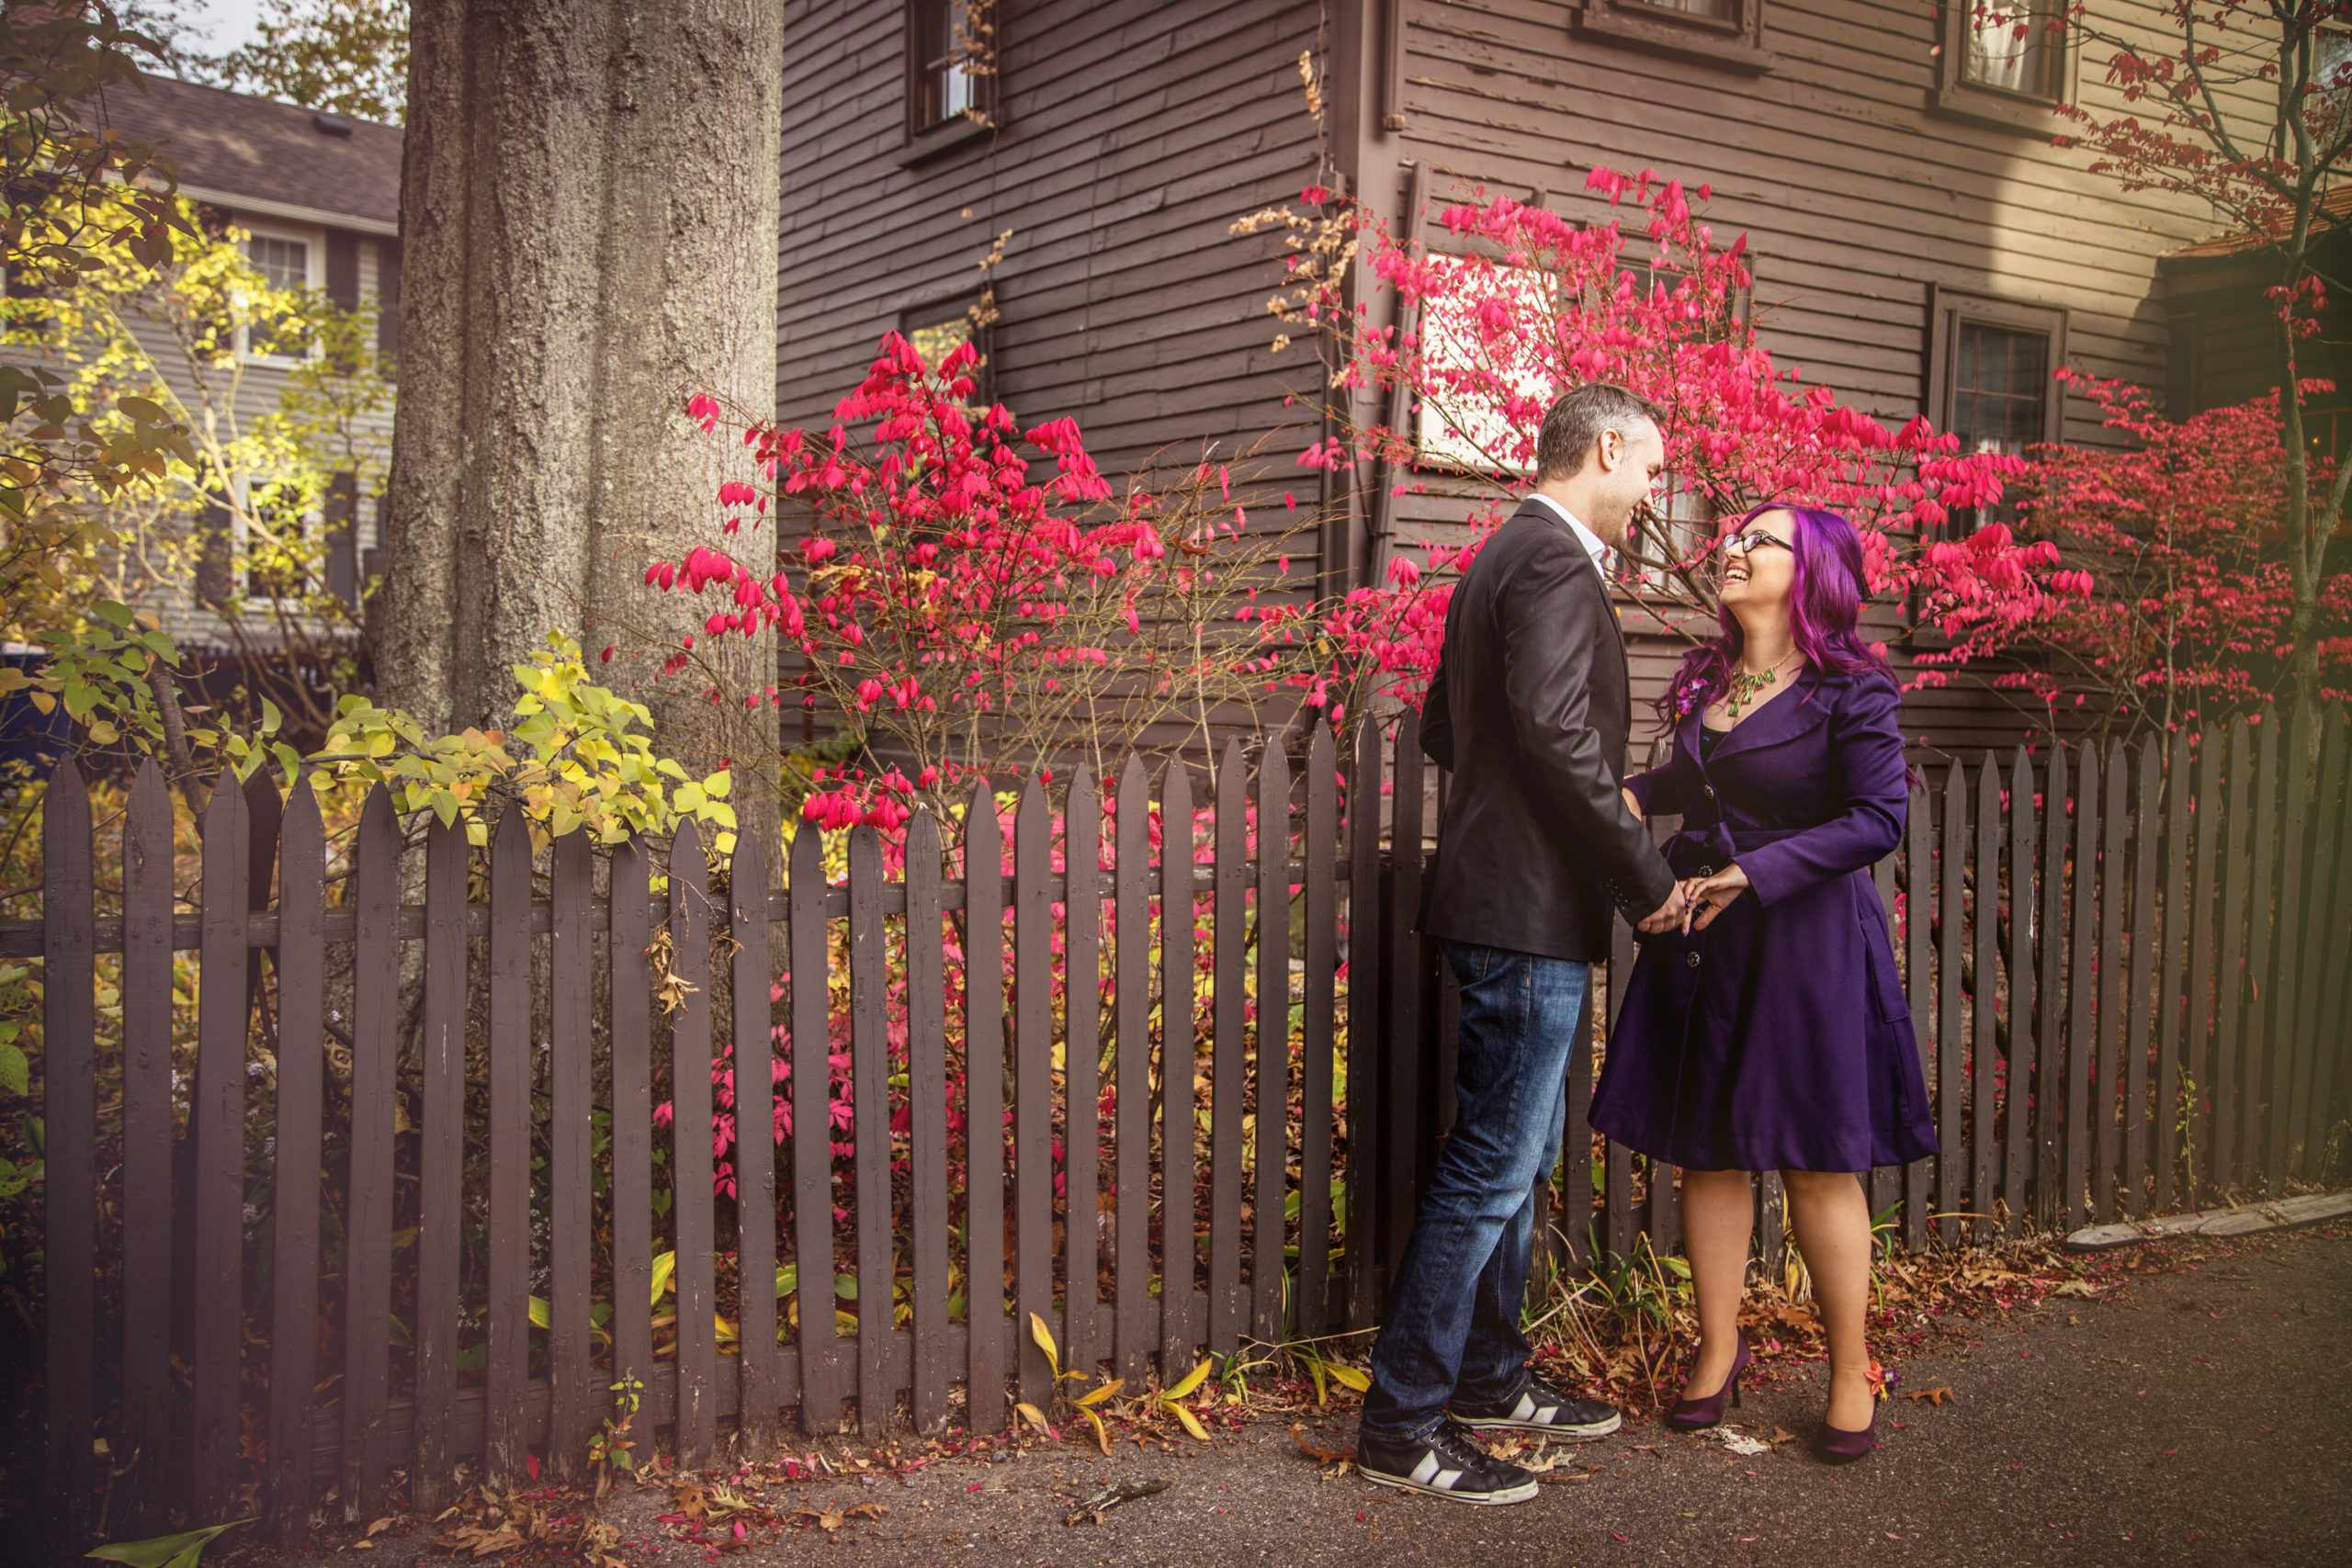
1633, 806
1711, 895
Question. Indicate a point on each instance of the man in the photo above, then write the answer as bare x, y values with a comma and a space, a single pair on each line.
1530, 709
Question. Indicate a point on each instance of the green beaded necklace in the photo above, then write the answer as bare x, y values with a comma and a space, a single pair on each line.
1745, 687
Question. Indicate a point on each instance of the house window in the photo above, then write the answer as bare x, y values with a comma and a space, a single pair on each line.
2005, 62
2332, 60
1673, 526
22, 316
1990, 364
1712, 10
949, 82
279, 533
1680, 518
1725, 33
287, 261
939, 328
2330, 84
1482, 392
2011, 46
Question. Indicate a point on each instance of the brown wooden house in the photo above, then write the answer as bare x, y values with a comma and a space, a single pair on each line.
1918, 242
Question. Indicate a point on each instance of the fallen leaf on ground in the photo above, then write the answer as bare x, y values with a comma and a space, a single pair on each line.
1936, 1396
1319, 1455
831, 1520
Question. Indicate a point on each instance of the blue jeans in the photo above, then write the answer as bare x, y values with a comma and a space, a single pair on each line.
1452, 1324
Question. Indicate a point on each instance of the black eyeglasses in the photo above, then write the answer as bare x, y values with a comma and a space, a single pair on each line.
1756, 539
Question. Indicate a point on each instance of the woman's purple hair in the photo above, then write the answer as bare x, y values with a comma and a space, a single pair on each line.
1825, 604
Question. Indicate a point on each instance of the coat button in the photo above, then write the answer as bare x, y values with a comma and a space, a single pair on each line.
1692, 959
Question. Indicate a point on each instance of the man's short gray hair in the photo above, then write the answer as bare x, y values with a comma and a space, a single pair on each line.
1578, 418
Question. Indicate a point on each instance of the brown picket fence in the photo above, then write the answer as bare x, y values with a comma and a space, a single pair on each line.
314, 1267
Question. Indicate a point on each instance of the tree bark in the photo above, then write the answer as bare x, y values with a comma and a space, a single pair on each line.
589, 212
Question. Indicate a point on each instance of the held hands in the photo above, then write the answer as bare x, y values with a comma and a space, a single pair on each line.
1674, 912
1704, 897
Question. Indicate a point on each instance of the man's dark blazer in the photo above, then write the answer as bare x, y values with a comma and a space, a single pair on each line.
1530, 709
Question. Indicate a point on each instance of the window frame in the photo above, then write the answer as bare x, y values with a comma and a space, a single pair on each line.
933, 309
314, 268
923, 140
1456, 454
1948, 310
10, 289
2002, 109
1735, 45
1632, 581
240, 497
2342, 30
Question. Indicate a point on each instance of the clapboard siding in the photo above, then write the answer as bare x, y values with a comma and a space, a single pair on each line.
1132, 136
1858, 200
1853, 192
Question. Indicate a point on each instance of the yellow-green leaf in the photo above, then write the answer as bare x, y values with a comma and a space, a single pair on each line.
1044, 1339
1101, 1433
1105, 1392
1033, 1415
182, 1550
665, 1264
541, 1315
1192, 1421
1349, 1377
1191, 1380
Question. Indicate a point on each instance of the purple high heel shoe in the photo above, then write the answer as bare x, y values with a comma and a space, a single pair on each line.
1694, 1415
1836, 1445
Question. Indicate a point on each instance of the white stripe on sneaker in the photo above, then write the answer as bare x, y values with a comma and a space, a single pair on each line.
1447, 1491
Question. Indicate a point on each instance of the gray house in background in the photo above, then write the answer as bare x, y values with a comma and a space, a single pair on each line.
319, 196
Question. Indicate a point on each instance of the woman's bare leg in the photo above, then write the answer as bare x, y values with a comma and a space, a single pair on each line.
1718, 1211
1833, 1226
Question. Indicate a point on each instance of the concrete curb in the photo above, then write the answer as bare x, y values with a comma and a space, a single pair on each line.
2244, 1220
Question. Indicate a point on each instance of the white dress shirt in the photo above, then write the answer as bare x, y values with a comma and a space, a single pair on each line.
1584, 537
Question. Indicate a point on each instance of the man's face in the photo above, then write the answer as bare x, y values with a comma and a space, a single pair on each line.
1631, 460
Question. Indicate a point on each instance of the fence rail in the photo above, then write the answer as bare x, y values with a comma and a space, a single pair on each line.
405, 1201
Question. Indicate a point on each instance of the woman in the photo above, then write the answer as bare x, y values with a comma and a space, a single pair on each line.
1770, 1031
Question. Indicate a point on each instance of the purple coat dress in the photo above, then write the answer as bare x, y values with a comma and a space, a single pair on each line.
1778, 1038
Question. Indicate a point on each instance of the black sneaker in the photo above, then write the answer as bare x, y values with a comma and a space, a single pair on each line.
1446, 1464
1543, 1409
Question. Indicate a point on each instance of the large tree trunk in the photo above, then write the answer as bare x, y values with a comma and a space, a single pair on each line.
589, 214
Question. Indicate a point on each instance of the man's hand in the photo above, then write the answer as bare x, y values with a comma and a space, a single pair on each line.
1666, 916
1708, 896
